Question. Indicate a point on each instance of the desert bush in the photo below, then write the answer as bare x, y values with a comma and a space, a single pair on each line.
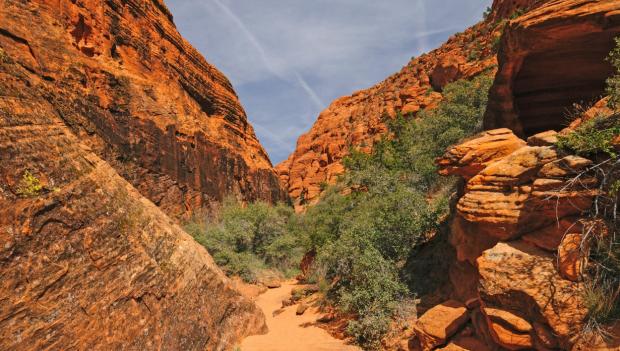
394, 201
247, 240
29, 185
593, 136
613, 82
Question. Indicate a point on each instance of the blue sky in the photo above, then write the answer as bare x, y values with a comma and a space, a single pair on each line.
288, 59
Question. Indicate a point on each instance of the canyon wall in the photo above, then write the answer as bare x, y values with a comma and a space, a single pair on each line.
129, 86
102, 103
86, 262
357, 121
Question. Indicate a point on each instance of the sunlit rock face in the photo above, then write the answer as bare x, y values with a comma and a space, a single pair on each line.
518, 221
122, 78
86, 262
551, 58
100, 104
358, 120
509, 224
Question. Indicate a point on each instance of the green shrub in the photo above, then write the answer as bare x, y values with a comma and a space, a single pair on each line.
518, 13
249, 240
396, 202
593, 136
29, 185
613, 82
487, 13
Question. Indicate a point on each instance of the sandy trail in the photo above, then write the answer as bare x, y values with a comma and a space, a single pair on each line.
287, 331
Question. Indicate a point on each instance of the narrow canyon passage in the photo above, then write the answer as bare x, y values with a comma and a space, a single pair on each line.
287, 331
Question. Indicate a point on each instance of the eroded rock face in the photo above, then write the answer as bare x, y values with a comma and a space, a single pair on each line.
551, 58
517, 223
359, 120
129, 86
92, 95
518, 279
86, 262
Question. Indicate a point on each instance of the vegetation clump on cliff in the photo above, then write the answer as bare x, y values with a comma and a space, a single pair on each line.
396, 202
597, 138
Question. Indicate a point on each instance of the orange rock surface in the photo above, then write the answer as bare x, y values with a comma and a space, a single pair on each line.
119, 75
515, 222
358, 120
102, 102
86, 262
438, 324
550, 58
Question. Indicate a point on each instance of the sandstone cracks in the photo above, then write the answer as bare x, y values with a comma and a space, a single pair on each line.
517, 223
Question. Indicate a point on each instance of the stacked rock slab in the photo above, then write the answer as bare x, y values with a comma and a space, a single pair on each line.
119, 75
509, 225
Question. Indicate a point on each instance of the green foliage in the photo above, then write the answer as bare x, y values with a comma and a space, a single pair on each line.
396, 202
366, 227
593, 136
518, 13
487, 12
29, 185
475, 53
613, 82
248, 240
4, 58
497, 40
602, 294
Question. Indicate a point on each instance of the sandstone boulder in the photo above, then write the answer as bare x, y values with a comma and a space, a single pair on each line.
439, 323
472, 156
517, 277
547, 138
572, 256
509, 330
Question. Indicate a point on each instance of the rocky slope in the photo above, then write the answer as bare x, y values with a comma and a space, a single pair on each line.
358, 120
100, 104
86, 262
129, 86
517, 280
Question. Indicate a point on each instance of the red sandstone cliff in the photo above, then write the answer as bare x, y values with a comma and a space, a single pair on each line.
358, 120
86, 262
96, 96
129, 86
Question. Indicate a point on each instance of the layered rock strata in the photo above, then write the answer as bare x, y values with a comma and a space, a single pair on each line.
86, 262
551, 58
129, 86
358, 120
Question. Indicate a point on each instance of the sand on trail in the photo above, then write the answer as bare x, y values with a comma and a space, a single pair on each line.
289, 332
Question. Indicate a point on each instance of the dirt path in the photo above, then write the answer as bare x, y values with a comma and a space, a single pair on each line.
287, 331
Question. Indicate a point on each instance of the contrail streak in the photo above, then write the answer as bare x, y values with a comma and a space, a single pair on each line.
263, 55
315, 98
